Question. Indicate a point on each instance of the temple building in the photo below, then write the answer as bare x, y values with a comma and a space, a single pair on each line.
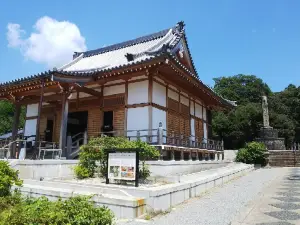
146, 88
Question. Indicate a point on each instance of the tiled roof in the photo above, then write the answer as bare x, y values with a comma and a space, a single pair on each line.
124, 54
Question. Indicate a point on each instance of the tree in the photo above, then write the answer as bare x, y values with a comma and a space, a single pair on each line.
241, 124
241, 88
6, 117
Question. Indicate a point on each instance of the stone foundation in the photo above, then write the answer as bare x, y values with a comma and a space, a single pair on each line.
269, 137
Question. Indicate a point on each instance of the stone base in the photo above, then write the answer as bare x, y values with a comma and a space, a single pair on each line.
269, 137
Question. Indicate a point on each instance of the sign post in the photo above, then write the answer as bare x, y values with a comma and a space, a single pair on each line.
123, 164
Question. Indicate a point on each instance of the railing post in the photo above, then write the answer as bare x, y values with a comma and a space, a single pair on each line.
160, 134
222, 144
85, 137
69, 147
138, 135
190, 155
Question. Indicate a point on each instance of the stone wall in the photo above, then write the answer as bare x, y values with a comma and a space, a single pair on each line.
284, 158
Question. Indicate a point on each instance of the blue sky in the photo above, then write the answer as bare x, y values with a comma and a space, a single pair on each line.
226, 37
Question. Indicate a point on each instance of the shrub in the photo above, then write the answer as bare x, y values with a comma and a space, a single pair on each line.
92, 156
253, 153
76, 210
8, 178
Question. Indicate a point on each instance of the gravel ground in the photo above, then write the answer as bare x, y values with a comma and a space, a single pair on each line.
218, 207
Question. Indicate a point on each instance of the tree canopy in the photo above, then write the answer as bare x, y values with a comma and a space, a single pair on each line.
6, 117
241, 124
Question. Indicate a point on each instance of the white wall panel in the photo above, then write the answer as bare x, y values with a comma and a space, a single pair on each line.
138, 92
138, 119
32, 110
158, 116
159, 94
205, 132
204, 113
30, 127
112, 90
198, 111
193, 129
173, 95
192, 109
184, 100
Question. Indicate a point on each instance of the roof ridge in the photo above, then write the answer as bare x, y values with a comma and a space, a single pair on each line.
139, 40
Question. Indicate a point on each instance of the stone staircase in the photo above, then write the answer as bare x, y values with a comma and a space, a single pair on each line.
284, 158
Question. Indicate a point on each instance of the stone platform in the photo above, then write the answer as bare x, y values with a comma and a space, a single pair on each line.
269, 137
284, 158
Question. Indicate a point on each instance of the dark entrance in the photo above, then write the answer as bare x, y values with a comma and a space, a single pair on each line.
77, 123
108, 120
49, 131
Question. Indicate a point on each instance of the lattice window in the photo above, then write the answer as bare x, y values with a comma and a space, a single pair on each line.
185, 109
114, 101
172, 104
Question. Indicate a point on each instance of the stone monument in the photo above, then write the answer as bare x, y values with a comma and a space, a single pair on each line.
267, 134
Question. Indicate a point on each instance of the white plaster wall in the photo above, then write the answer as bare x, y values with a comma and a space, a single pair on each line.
204, 113
198, 110
192, 109
184, 100
112, 90
30, 127
138, 92
138, 119
205, 132
32, 110
159, 94
158, 116
193, 129
173, 95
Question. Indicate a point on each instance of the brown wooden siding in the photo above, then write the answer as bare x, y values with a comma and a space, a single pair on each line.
199, 132
94, 122
119, 117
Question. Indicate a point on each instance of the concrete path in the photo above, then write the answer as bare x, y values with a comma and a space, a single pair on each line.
278, 204
231, 202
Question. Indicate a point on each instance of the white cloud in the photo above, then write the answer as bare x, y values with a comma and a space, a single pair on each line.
52, 42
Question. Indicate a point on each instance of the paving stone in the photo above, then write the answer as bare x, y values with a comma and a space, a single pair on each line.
286, 206
289, 193
288, 199
284, 215
275, 223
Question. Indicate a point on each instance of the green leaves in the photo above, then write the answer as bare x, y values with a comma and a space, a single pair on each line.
92, 156
78, 210
253, 153
8, 178
6, 117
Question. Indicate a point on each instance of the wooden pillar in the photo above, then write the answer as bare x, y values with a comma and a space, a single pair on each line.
126, 109
64, 123
38, 122
150, 93
15, 129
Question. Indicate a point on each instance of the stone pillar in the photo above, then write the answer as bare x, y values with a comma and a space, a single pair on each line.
182, 155
190, 155
172, 155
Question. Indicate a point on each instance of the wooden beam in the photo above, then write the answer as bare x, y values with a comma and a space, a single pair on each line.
36, 99
87, 90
